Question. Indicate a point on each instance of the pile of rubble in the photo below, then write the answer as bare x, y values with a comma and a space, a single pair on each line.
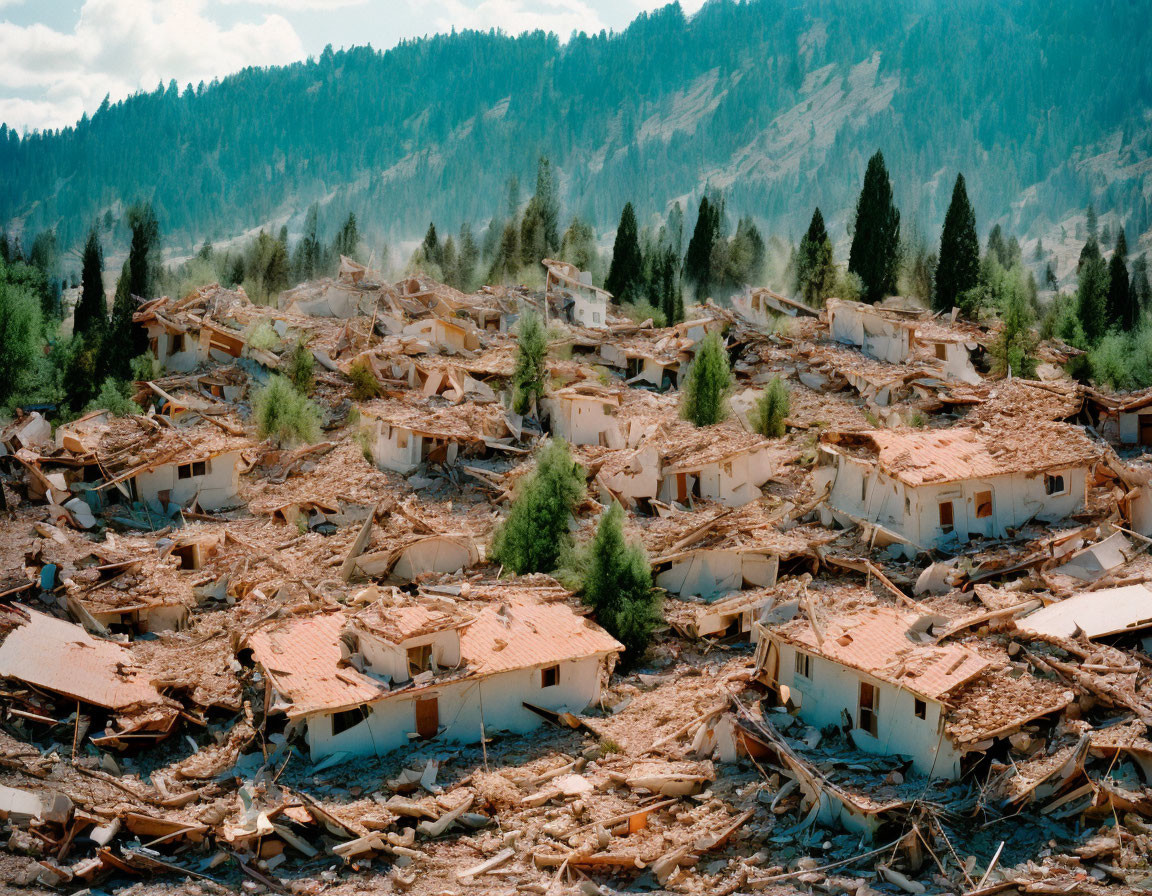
906, 645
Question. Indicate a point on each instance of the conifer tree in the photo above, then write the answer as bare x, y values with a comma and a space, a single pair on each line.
1092, 295
534, 535
618, 585
531, 363
119, 344
431, 246
706, 386
815, 268
1091, 222
143, 252
771, 409
91, 315
626, 273
347, 240
467, 258
578, 245
875, 252
1141, 289
958, 269
698, 257
533, 239
549, 205
1122, 310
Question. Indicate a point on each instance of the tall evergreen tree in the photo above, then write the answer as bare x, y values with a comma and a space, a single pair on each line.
875, 252
549, 205
1092, 296
1122, 309
468, 258
698, 257
1091, 221
626, 273
431, 245
815, 268
958, 269
1141, 289
143, 251
91, 314
307, 257
704, 399
347, 240
120, 349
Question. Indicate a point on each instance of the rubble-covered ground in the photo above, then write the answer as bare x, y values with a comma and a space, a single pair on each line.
692, 773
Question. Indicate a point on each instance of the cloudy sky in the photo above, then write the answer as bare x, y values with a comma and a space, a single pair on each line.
59, 58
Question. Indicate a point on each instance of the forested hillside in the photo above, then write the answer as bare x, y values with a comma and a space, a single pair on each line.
776, 103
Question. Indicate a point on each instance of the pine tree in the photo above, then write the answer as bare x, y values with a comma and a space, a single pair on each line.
506, 262
626, 273
549, 205
1141, 289
1091, 222
535, 534
705, 393
531, 368
875, 252
91, 314
307, 257
347, 240
143, 252
1122, 310
698, 257
578, 245
1092, 297
815, 267
468, 258
119, 344
1013, 349
958, 269
431, 246
771, 409
618, 585
533, 238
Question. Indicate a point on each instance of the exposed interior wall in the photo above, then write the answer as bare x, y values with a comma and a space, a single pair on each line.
393, 447
435, 554
711, 573
165, 345
581, 421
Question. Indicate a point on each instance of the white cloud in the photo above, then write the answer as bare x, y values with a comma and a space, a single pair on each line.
120, 46
296, 5
513, 16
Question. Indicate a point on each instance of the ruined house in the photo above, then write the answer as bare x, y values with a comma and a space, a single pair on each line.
582, 303
430, 673
585, 414
166, 466
885, 334
450, 336
401, 435
881, 674
927, 489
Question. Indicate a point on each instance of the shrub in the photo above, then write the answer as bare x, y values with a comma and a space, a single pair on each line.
146, 367
365, 386
283, 414
638, 312
531, 363
707, 384
772, 407
115, 397
298, 366
535, 533
618, 585
264, 338
21, 324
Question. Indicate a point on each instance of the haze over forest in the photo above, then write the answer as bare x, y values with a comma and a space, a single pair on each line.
775, 104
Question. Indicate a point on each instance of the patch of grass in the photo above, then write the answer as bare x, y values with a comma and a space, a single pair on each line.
365, 386
285, 415
264, 338
608, 745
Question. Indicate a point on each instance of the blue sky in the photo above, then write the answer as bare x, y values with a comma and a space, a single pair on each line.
59, 58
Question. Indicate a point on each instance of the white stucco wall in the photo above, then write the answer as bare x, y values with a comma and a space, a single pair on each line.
1129, 426
217, 488
390, 721
585, 421
392, 447
733, 481
833, 688
710, 573
876, 336
863, 491
177, 362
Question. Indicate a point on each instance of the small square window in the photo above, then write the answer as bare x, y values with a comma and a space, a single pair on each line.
920, 708
983, 505
184, 471
199, 468
549, 676
1054, 484
348, 718
941, 351
419, 659
803, 665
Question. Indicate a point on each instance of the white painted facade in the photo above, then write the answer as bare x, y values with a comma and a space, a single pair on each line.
734, 480
585, 420
829, 691
987, 507
176, 352
390, 723
214, 482
400, 449
712, 572
435, 554
878, 336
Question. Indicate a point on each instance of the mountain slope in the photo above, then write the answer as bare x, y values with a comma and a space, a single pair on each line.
778, 102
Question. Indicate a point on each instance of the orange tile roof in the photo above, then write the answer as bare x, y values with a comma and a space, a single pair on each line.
876, 642
58, 656
961, 452
526, 635
302, 657
397, 624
